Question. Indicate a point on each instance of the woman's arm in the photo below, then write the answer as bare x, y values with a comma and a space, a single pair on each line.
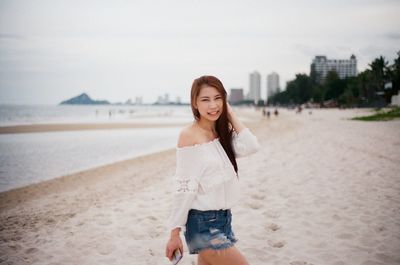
174, 242
188, 170
244, 142
238, 126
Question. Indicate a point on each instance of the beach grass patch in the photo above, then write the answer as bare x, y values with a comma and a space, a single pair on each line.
381, 115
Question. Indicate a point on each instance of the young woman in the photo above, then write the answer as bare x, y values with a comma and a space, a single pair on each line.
206, 177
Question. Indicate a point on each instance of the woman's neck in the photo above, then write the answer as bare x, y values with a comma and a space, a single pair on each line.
206, 125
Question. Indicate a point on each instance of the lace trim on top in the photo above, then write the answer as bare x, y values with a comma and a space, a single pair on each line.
186, 185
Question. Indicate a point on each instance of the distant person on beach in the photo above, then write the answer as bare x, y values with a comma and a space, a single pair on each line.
276, 112
299, 109
206, 177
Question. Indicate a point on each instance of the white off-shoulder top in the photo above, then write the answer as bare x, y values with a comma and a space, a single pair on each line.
205, 178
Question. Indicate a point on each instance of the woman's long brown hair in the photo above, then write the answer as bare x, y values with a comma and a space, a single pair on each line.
222, 125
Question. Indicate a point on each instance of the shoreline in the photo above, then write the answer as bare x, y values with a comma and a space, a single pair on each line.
40, 128
69, 182
54, 184
57, 127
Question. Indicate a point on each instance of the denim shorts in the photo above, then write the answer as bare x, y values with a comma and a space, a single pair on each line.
209, 230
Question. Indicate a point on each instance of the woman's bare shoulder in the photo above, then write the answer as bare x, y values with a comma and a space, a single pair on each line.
187, 136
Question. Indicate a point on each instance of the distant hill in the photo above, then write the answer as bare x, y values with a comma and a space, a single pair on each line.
84, 99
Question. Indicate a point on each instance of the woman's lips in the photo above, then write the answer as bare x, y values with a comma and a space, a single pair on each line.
213, 113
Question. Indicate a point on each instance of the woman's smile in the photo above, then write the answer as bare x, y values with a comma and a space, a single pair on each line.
213, 113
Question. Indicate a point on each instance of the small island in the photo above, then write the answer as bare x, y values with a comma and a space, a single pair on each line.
84, 99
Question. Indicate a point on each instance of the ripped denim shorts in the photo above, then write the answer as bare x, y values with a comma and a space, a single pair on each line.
209, 230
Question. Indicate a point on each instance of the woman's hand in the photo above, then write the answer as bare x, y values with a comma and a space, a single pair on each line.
230, 112
174, 242
236, 123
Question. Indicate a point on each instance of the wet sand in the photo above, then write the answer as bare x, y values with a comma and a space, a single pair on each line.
79, 127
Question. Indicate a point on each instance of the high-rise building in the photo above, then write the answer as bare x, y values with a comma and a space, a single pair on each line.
321, 66
272, 84
236, 95
254, 87
163, 100
166, 98
138, 100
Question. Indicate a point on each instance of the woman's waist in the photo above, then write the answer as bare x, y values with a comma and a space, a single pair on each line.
194, 213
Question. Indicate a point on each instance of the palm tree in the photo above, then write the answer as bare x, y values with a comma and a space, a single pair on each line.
379, 72
396, 74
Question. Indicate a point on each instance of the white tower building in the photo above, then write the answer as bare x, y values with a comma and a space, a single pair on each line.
321, 66
254, 87
272, 84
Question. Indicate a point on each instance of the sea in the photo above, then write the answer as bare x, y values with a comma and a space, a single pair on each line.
27, 158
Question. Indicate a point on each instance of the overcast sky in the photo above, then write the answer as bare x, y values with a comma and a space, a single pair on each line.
53, 50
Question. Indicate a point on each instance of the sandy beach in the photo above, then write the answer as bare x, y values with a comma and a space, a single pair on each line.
323, 190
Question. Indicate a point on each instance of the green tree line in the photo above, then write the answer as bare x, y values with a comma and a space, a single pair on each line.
370, 87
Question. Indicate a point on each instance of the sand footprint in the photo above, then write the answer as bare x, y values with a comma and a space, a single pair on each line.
371, 262
258, 196
118, 210
151, 217
277, 243
80, 223
345, 236
31, 250
339, 262
366, 219
320, 244
153, 234
104, 222
388, 259
15, 247
300, 263
274, 227
368, 241
255, 205
105, 248
271, 214
336, 217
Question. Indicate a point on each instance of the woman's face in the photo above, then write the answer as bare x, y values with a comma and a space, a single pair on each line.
209, 103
